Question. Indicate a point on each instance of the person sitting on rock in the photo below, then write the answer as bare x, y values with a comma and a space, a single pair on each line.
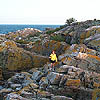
53, 59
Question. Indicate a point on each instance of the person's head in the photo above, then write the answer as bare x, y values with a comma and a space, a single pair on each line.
53, 52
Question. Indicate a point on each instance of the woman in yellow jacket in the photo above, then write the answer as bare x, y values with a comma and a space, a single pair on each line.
53, 59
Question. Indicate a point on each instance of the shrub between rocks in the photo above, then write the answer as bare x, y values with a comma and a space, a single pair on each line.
58, 38
22, 41
32, 35
57, 29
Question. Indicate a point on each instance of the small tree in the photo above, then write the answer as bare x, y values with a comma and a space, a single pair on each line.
70, 21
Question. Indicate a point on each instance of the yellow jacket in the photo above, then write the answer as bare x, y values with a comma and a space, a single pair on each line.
53, 57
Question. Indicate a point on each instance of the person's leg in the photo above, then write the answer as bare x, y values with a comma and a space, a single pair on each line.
51, 65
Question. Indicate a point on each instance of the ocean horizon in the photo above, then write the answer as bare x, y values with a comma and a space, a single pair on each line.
6, 28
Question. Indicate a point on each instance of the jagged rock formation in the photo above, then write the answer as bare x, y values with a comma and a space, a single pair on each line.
88, 60
79, 31
94, 40
22, 33
66, 83
77, 72
13, 58
45, 48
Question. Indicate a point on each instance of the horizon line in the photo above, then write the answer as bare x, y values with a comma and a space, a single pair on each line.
31, 24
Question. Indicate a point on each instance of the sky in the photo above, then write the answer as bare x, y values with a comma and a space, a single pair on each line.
54, 12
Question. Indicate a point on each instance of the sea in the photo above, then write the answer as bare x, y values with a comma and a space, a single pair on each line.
5, 28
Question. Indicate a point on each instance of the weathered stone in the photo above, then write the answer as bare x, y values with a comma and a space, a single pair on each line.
67, 69
77, 70
63, 69
63, 80
78, 33
96, 85
28, 91
94, 39
33, 85
1, 87
37, 75
20, 80
14, 86
90, 62
13, 58
13, 96
73, 82
20, 34
96, 94
44, 83
21, 59
1, 77
61, 98
47, 47
82, 55
28, 95
54, 78
75, 93
44, 94
44, 99
4, 90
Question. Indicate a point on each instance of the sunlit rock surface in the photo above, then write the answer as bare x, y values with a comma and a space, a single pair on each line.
25, 68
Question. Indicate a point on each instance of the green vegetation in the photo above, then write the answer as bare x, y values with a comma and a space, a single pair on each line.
22, 41
50, 32
57, 29
32, 35
70, 21
58, 38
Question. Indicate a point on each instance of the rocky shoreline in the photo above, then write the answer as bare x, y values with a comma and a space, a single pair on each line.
25, 68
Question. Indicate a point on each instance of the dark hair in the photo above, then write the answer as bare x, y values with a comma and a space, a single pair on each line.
53, 51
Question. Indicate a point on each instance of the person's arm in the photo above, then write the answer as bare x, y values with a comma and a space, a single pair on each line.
50, 56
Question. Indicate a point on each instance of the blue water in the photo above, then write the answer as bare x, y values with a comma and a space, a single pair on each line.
4, 29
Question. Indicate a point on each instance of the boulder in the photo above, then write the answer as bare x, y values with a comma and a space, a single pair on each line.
54, 78
44, 83
73, 82
89, 36
96, 85
96, 94
4, 90
30, 93
90, 63
22, 33
82, 57
73, 91
47, 47
94, 39
37, 75
61, 98
19, 81
77, 33
44, 94
67, 69
33, 85
14, 96
63, 80
63, 69
14, 86
14, 58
